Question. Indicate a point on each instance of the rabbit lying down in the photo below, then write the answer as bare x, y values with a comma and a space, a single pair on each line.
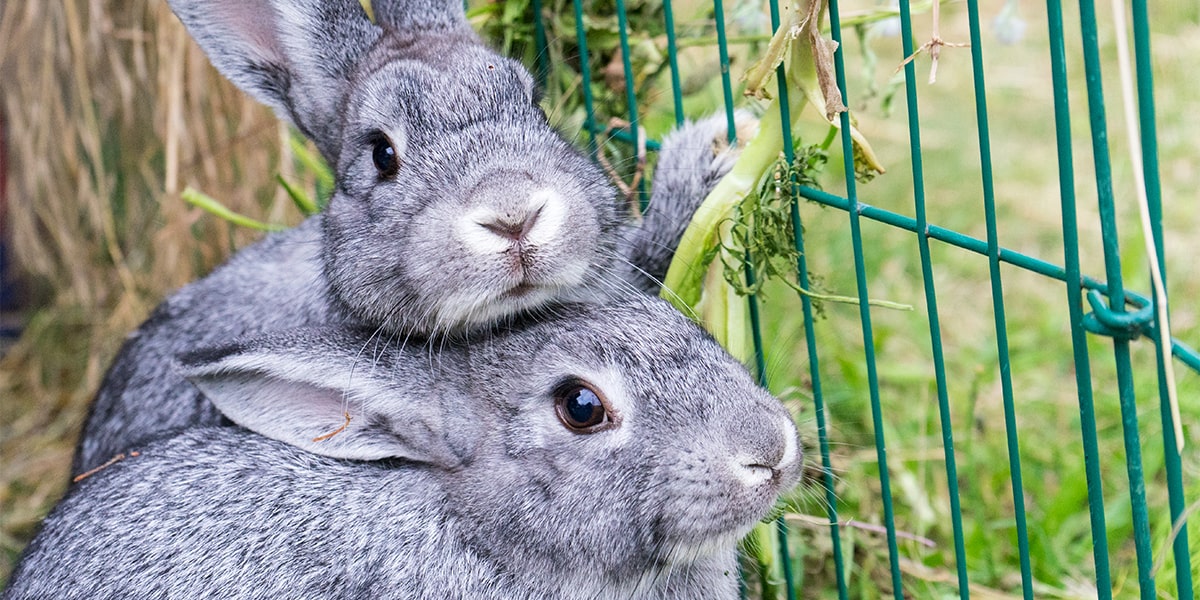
591, 452
456, 204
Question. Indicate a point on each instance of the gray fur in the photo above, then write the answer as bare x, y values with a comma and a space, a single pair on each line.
277, 284
383, 255
693, 159
496, 498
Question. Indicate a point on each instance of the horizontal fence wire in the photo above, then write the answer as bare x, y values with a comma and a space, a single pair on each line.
1185, 353
1116, 312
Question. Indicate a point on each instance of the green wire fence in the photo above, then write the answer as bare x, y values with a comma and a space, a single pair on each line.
1102, 308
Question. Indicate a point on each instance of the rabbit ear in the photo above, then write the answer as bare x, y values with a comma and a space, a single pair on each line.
331, 396
295, 56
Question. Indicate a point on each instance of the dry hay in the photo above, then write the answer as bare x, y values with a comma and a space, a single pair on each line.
110, 111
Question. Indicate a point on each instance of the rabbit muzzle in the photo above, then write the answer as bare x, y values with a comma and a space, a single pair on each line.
721, 488
772, 458
517, 230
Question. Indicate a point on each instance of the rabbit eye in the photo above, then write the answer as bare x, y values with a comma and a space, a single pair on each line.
580, 407
384, 155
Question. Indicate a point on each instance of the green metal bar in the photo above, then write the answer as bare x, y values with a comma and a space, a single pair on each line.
993, 252
626, 62
726, 84
1183, 352
1149, 139
864, 309
752, 300
1116, 292
810, 339
673, 60
621, 136
542, 58
585, 75
1083, 376
760, 365
810, 336
789, 579
631, 99
935, 328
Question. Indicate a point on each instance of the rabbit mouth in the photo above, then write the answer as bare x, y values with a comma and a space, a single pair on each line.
520, 290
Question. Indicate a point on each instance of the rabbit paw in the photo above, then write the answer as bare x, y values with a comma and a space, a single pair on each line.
726, 153
697, 155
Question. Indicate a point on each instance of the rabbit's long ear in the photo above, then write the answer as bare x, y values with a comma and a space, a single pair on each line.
295, 56
333, 394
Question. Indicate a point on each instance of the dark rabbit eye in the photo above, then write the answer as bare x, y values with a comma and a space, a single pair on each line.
580, 408
384, 155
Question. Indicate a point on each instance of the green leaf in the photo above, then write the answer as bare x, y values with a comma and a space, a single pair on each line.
196, 198
312, 161
306, 205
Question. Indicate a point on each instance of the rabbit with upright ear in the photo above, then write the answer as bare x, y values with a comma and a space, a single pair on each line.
593, 452
456, 204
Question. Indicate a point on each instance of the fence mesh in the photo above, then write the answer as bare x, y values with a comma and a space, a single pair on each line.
1096, 309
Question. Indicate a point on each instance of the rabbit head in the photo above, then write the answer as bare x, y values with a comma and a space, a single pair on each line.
596, 446
456, 203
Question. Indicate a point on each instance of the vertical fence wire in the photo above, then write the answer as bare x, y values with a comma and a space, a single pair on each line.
726, 85
1070, 274
752, 299
781, 529
673, 61
810, 338
860, 273
541, 52
935, 333
1149, 143
585, 77
631, 104
993, 253
1083, 377
1116, 293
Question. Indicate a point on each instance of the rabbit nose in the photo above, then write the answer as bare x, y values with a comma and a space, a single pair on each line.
534, 218
768, 452
515, 229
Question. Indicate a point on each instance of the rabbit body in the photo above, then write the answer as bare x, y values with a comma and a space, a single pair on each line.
389, 472
282, 524
281, 283
273, 285
488, 213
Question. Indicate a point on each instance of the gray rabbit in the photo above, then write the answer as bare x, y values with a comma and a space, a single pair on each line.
586, 452
456, 204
